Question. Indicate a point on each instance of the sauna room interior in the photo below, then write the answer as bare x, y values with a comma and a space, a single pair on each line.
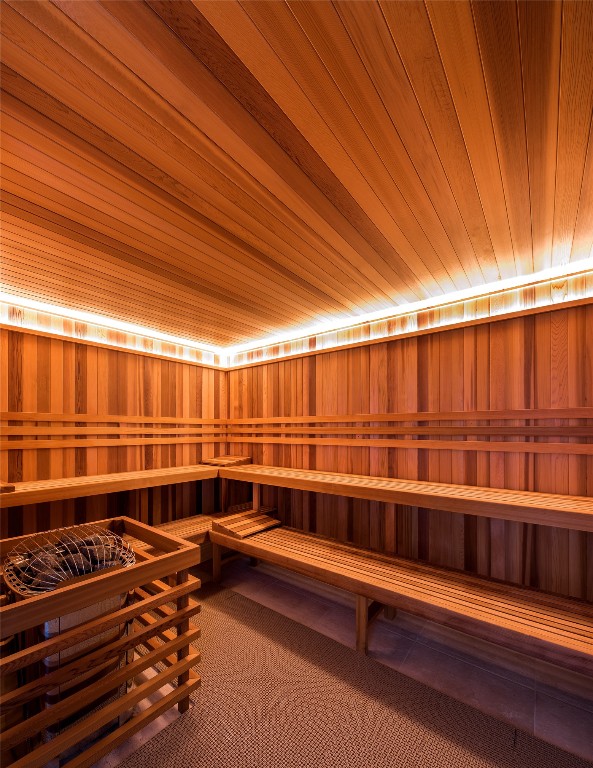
296, 384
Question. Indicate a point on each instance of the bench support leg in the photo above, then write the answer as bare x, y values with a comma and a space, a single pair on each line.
216, 563
362, 623
224, 494
256, 496
389, 612
366, 612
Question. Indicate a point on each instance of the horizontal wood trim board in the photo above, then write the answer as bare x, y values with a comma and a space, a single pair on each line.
439, 445
538, 431
23, 445
585, 412
38, 431
100, 418
563, 431
581, 449
531, 414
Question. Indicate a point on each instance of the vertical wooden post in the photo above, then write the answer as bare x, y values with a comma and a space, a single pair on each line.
362, 623
181, 603
216, 563
256, 496
224, 494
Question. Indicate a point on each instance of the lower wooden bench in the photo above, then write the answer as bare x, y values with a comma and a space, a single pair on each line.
556, 629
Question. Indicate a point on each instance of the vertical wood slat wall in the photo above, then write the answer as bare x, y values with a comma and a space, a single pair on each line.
47, 375
538, 361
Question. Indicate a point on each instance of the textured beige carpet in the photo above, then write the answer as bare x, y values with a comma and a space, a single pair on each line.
276, 694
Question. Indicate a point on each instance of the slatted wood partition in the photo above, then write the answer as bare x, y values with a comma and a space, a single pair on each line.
73, 409
509, 405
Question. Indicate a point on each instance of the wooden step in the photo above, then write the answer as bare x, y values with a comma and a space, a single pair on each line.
246, 523
227, 461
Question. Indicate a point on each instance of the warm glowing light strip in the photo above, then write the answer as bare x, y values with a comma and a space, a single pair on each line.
571, 282
28, 315
565, 270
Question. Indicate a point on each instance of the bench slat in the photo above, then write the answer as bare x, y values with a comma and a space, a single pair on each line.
574, 512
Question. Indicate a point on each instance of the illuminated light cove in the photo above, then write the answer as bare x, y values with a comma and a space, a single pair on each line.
559, 285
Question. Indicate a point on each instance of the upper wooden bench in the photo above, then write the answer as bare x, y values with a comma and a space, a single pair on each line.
38, 491
575, 512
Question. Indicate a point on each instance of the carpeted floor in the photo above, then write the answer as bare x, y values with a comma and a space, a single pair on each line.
276, 694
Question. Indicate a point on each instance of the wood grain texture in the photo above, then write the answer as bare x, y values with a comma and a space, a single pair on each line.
236, 169
515, 375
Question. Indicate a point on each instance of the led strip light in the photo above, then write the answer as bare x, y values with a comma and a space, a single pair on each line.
23, 313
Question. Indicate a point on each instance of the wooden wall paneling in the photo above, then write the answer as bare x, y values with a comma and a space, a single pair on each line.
383, 532
412, 532
497, 360
71, 379
499, 375
555, 542
578, 377
472, 534
518, 387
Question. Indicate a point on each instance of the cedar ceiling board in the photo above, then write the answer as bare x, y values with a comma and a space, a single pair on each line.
266, 180
218, 241
539, 28
318, 185
574, 120
496, 26
176, 150
194, 31
437, 109
50, 197
88, 237
22, 227
582, 244
260, 216
308, 94
454, 32
336, 52
179, 227
54, 58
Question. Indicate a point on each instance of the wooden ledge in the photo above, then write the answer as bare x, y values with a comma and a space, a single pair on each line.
575, 512
38, 491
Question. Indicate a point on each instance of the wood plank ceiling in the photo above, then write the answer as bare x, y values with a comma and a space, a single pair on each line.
226, 170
